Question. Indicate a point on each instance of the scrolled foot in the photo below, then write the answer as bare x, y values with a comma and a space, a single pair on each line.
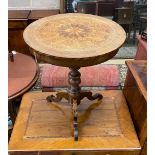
59, 96
90, 96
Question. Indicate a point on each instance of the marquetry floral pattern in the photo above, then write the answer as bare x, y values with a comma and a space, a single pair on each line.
73, 34
74, 30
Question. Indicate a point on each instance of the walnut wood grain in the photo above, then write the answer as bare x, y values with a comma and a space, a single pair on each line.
105, 127
18, 14
144, 149
17, 19
138, 69
62, 39
75, 153
17, 22
37, 14
135, 92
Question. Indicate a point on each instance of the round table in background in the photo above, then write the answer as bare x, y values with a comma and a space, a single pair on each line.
74, 40
23, 72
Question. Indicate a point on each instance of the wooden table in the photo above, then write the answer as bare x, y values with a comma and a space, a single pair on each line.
74, 41
141, 53
37, 14
135, 92
17, 22
105, 127
22, 75
138, 69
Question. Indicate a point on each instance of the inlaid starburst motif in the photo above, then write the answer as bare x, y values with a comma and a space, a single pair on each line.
74, 30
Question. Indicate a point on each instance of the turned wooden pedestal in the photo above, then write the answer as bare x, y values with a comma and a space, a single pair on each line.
105, 127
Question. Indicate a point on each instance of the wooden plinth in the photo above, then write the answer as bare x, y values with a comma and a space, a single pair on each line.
104, 126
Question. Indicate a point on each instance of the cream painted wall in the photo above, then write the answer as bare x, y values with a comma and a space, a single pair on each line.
33, 4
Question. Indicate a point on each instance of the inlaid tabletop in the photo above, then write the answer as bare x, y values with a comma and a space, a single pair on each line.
74, 36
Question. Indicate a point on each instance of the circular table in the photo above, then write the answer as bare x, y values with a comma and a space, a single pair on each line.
74, 40
23, 72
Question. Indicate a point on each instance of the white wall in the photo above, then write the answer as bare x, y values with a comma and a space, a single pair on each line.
33, 4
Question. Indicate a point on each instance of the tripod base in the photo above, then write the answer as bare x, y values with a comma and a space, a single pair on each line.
74, 97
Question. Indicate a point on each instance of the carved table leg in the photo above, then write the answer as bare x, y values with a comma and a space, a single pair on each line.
59, 96
74, 94
90, 95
